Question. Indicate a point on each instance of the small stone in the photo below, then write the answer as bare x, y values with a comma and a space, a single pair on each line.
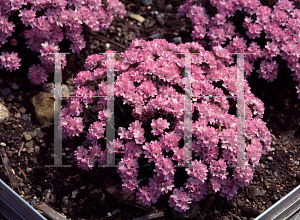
272, 149
97, 196
3, 144
147, 2
5, 92
177, 40
112, 28
30, 150
37, 150
9, 153
160, 20
26, 190
65, 200
14, 86
19, 98
268, 172
240, 203
259, 192
4, 113
27, 136
28, 170
119, 29
50, 198
274, 198
21, 184
64, 210
137, 17
156, 36
24, 117
29, 144
10, 97
169, 8
74, 194
33, 202
296, 162
270, 158
71, 89
22, 110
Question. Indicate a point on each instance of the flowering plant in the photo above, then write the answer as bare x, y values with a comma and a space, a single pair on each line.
46, 20
271, 34
150, 82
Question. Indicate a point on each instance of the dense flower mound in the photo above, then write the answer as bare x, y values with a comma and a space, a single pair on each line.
269, 33
150, 79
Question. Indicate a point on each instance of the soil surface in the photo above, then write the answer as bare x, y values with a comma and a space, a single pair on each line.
277, 174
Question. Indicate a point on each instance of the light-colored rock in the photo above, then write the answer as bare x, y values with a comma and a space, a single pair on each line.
37, 150
10, 97
14, 86
29, 144
22, 110
4, 113
27, 136
43, 107
49, 88
30, 150
137, 17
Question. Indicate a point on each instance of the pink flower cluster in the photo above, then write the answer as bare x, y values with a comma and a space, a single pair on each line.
47, 32
10, 61
157, 66
280, 25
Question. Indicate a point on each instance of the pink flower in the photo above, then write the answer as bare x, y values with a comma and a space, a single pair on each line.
96, 130
159, 126
268, 70
162, 184
170, 140
37, 74
280, 16
218, 168
152, 150
220, 19
164, 166
147, 195
10, 61
254, 30
27, 16
198, 170
180, 200
272, 48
